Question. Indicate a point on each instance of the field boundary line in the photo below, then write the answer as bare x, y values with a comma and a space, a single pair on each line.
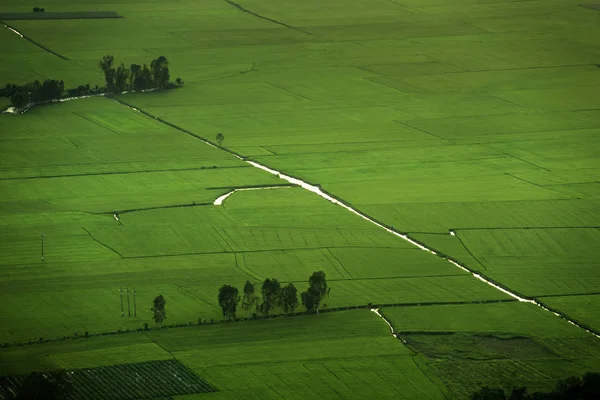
33, 41
340, 263
148, 171
316, 189
243, 9
541, 186
469, 251
102, 244
525, 227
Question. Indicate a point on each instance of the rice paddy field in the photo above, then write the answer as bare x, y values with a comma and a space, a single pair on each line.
472, 126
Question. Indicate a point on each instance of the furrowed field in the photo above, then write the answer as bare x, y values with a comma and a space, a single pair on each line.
472, 126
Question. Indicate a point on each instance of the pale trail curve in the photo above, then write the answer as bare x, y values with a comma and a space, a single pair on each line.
317, 190
219, 201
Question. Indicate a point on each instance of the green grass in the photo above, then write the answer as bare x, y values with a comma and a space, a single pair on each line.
349, 353
583, 308
475, 116
510, 318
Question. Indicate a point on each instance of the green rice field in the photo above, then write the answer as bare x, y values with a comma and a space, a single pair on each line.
472, 126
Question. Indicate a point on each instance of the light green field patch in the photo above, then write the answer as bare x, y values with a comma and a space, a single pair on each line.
25, 250
364, 263
502, 318
440, 217
110, 356
449, 288
459, 128
292, 265
570, 98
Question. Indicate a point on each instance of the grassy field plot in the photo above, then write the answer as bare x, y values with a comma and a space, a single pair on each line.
339, 353
506, 344
582, 308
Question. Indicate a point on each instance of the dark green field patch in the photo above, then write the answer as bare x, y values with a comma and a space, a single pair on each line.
59, 15
127, 381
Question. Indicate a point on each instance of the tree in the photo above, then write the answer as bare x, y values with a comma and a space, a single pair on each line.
249, 299
270, 290
289, 298
19, 99
179, 81
228, 300
45, 386
135, 70
105, 65
159, 309
121, 78
143, 79
317, 291
220, 139
160, 71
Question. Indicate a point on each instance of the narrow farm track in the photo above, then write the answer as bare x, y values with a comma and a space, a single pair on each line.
219, 201
10, 28
329, 197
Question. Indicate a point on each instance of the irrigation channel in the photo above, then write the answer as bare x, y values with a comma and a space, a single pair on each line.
317, 190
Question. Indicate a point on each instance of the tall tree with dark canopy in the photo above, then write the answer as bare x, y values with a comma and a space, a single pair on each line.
143, 79
270, 293
249, 299
135, 70
121, 78
289, 298
160, 314
317, 291
160, 71
106, 65
228, 300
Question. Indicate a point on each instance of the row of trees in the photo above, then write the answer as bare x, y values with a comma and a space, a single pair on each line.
136, 77
273, 296
118, 80
33, 92
572, 388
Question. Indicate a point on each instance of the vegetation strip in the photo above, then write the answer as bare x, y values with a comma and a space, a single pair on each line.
144, 380
59, 15
119, 173
266, 18
318, 191
34, 42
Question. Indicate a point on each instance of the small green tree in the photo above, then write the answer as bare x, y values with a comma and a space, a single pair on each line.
289, 298
249, 299
158, 310
220, 139
228, 300
179, 81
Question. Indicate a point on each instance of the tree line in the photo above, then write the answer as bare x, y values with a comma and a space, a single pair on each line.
572, 388
274, 296
118, 79
137, 77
